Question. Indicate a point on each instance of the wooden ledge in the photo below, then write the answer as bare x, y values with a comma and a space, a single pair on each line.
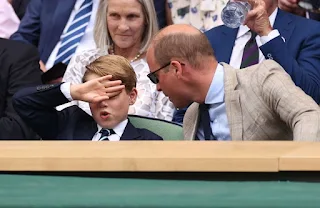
191, 156
306, 158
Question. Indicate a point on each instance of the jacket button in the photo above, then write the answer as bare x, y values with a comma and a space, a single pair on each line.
269, 56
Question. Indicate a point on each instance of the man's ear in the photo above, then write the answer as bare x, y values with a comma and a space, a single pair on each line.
177, 68
133, 96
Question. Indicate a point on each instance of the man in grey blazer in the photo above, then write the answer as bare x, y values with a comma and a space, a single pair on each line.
260, 102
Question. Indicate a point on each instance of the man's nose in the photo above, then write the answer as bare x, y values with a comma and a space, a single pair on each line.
158, 87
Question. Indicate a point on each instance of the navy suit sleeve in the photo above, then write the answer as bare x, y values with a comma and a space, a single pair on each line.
304, 68
36, 105
30, 26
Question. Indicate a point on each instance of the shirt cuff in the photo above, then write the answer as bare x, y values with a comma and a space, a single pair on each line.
65, 89
273, 34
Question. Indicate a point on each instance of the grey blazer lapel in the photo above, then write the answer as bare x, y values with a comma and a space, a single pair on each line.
232, 101
190, 122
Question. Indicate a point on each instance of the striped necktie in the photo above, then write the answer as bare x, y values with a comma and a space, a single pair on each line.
105, 133
71, 38
251, 52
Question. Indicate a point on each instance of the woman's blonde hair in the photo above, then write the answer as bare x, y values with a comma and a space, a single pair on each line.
101, 34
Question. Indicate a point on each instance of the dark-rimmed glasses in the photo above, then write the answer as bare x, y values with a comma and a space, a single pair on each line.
152, 75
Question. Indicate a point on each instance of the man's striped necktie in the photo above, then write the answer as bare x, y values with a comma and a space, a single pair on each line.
71, 38
251, 52
105, 133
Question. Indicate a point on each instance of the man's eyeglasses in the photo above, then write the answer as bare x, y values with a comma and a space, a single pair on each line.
153, 77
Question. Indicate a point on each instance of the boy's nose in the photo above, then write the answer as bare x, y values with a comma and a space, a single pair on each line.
104, 103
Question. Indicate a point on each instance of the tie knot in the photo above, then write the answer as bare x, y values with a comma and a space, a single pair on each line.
204, 106
106, 132
253, 34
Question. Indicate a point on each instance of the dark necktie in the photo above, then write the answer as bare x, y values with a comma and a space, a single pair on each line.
205, 121
105, 133
251, 52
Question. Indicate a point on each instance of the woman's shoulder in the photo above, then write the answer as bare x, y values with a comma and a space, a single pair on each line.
140, 64
87, 56
77, 66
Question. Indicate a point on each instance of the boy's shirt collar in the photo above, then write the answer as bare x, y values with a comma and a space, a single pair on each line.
119, 129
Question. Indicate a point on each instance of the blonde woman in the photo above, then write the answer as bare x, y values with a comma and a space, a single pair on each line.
126, 28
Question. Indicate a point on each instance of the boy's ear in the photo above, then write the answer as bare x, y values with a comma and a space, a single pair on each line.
133, 96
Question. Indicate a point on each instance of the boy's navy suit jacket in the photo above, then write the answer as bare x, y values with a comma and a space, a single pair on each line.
36, 105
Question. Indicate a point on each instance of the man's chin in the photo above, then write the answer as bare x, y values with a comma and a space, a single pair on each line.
180, 105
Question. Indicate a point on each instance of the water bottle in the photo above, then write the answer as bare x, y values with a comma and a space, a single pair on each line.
234, 13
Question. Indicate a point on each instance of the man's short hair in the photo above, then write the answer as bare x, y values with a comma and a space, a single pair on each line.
190, 47
117, 66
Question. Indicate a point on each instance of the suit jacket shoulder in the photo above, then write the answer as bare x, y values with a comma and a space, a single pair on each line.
133, 133
19, 67
17, 48
270, 105
222, 40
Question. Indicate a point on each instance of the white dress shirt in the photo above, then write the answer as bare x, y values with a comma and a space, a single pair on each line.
119, 129
217, 111
87, 40
243, 37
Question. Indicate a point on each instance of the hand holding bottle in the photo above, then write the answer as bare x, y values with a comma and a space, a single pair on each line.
258, 18
234, 13
252, 13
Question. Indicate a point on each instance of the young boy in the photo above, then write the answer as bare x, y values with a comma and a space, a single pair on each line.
109, 87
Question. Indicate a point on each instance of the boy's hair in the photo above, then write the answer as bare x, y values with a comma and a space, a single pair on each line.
117, 66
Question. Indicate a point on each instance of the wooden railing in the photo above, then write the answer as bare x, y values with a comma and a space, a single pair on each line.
159, 156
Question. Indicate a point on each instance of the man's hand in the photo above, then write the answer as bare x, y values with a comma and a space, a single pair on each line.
257, 18
96, 90
291, 6
42, 66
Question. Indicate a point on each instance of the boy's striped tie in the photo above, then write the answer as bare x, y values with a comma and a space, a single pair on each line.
105, 133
